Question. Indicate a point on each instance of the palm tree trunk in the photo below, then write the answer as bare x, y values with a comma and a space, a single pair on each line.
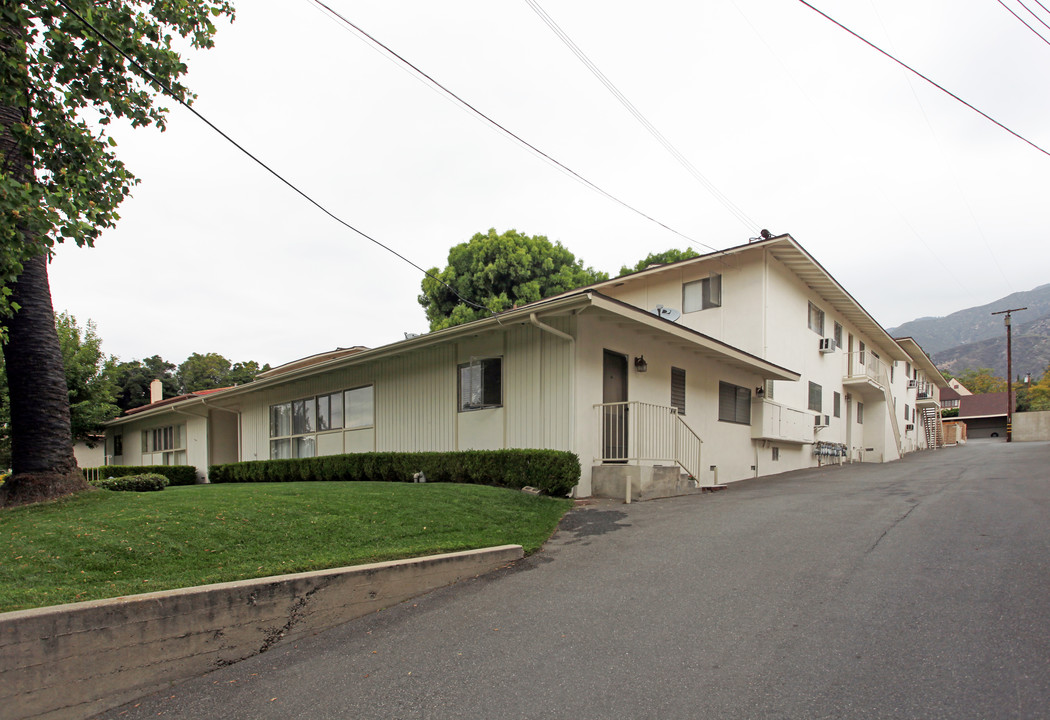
42, 461
41, 441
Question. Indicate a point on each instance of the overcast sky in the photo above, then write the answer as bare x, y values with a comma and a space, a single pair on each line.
916, 204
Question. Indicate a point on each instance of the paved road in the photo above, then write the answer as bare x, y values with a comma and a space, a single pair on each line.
918, 589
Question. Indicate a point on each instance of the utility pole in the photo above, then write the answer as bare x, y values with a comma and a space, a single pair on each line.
1009, 373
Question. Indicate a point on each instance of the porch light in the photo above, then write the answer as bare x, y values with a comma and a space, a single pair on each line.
640, 364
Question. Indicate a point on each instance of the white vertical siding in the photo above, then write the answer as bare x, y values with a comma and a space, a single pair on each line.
538, 387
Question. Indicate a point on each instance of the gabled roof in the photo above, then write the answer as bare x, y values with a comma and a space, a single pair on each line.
311, 360
787, 250
983, 405
176, 399
561, 305
920, 359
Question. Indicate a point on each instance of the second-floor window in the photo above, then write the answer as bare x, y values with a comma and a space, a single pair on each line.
816, 399
816, 319
702, 294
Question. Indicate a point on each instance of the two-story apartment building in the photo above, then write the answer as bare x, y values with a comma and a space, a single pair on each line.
743, 362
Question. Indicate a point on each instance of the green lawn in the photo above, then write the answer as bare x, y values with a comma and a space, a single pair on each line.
104, 544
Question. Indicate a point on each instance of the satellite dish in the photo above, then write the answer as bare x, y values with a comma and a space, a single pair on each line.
666, 313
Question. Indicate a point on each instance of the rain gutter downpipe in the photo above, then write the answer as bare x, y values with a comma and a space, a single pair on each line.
572, 375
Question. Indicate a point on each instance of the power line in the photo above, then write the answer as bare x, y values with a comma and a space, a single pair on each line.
633, 110
1032, 13
931, 82
503, 129
1022, 20
164, 86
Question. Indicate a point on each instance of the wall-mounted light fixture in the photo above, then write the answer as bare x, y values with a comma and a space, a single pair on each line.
760, 391
640, 364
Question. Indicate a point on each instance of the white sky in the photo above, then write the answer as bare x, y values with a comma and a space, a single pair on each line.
916, 204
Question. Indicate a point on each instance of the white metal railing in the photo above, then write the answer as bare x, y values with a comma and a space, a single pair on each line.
925, 391
92, 474
863, 364
635, 431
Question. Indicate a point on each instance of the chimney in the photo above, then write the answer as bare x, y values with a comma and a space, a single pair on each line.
156, 391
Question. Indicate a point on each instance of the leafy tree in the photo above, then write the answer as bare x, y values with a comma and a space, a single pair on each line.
498, 272
245, 372
662, 258
60, 86
88, 376
981, 381
210, 371
1035, 397
133, 379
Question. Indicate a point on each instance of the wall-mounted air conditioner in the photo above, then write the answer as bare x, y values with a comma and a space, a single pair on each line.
913, 384
827, 345
908, 427
821, 421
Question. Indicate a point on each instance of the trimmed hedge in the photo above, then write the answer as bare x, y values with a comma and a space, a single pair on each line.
553, 471
145, 482
176, 474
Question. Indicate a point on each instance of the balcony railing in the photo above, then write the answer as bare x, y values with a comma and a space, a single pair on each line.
863, 364
637, 431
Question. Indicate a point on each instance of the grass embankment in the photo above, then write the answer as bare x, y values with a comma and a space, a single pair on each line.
105, 544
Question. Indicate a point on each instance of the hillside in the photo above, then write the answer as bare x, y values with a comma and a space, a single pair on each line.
1031, 351
937, 334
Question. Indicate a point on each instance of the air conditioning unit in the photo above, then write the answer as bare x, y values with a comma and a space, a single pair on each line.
827, 345
821, 421
913, 384
908, 427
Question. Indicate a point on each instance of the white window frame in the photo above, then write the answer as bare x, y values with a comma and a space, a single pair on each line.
478, 375
702, 294
816, 319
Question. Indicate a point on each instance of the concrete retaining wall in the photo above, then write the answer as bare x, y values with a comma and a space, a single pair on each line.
69, 661
1031, 426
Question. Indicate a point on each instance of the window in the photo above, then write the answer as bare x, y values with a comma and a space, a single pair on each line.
481, 384
776, 454
734, 403
678, 389
860, 413
861, 355
836, 404
816, 319
906, 413
838, 335
816, 399
166, 445
118, 445
360, 407
702, 294
294, 425
907, 370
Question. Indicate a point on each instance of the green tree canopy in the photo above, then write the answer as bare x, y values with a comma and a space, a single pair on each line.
212, 370
661, 258
499, 271
133, 378
92, 393
981, 380
61, 84
89, 377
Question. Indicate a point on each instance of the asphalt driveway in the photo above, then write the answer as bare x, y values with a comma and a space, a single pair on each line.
916, 589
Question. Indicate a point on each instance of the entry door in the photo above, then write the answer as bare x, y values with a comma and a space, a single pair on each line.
614, 417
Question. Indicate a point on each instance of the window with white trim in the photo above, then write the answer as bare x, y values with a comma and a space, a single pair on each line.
816, 319
816, 397
836, 404
678, 389
838, 335
860, 413
481, 384
164, 445
734, 403
295, 425
702, 294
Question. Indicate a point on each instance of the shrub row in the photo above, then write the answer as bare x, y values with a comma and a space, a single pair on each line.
176, 474
134, 483
553, 471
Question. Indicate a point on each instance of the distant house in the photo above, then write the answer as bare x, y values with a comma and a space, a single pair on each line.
985, 414
744, 362
950, 397
958, 387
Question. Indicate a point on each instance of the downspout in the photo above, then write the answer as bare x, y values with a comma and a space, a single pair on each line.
572, 375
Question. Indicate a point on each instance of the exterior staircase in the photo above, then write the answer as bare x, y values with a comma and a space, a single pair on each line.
934, 427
